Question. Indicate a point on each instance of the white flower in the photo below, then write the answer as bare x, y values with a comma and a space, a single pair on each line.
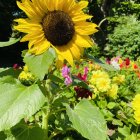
115, 64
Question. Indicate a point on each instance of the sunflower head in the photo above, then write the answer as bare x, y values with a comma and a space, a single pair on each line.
58, 27
60, 24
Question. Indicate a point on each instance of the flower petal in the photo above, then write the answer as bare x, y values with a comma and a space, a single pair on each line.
82, 41
85, 28
65, 53
75, 50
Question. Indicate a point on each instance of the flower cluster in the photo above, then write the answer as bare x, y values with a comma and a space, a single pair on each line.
102, 83
26, 77
124, 64
136, 107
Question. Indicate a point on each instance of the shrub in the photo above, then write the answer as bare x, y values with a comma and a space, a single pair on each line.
125, 39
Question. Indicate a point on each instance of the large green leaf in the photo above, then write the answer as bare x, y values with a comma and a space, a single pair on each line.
40, 64
10, 42
88, 120
17, 102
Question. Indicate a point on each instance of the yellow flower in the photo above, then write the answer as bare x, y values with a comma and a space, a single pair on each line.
94, 89
112, 92
25, 68
97, 75
60, 24
26, 78
25, 75
119, 79
137, 116
120, 61
136, 107
136, 102
103, 84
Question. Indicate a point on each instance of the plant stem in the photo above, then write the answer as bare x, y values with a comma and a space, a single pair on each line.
45, 118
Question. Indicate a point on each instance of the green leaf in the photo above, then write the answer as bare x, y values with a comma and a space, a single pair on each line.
10, 71
111, 105
88, 120
125, 131
18, 102
133, 136
103, 65
79, 82
2, 136
117, 122
55, 78
40, 64
28, 133
10, 42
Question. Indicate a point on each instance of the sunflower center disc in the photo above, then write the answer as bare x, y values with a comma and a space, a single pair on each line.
58, 27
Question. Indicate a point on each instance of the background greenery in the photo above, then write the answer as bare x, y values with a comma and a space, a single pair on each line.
118, 34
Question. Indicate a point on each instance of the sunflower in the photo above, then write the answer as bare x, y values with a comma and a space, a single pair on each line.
60, 24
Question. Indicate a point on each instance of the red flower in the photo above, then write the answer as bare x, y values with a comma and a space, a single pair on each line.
84, 76
127, 61
135, 66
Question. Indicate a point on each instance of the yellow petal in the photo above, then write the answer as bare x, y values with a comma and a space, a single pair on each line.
40, 5
65, 53
85, 28
33, 50
42, 47
79, 6
59, 61
80, 17
28, 26
30, 10
32, 36
75, 50
67, 6
82, 41
50, 5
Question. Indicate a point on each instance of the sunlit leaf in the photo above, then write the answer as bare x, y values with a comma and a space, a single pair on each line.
18, 102
88, 120
40, 64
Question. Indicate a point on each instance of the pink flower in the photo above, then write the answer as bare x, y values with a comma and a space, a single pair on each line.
65, 74
68, 80
65, 71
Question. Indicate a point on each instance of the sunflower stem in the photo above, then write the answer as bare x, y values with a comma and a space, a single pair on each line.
45, 119
46, 111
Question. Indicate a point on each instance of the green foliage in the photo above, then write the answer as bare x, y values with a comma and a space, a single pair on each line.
125, 39
94, 124
100, 63
24, 132
127, 7
17, 102
40, 64
10, 42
